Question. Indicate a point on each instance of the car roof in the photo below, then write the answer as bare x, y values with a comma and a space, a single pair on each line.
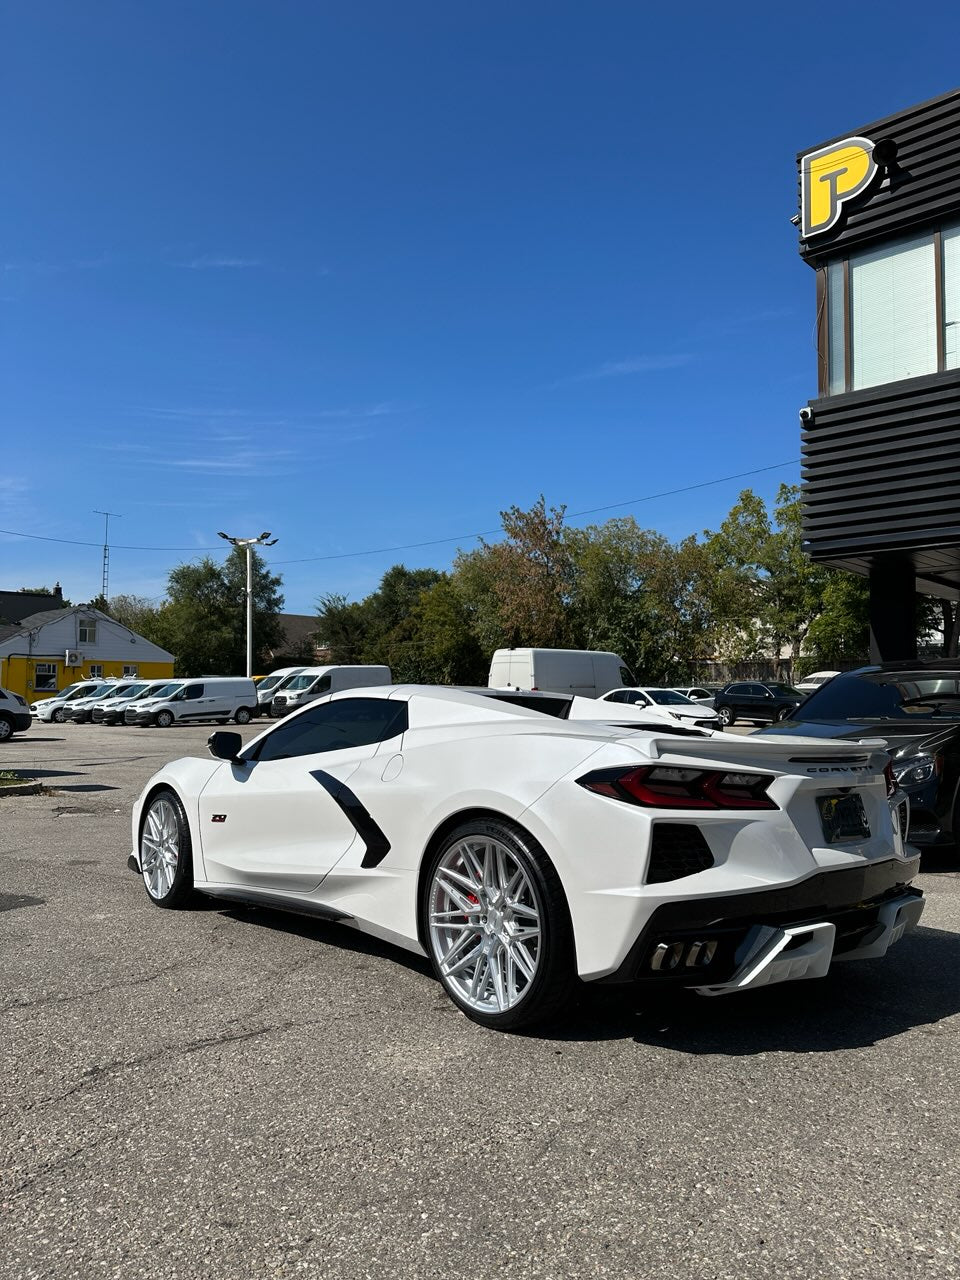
949, 666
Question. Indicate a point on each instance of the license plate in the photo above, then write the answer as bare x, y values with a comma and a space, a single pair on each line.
843, 818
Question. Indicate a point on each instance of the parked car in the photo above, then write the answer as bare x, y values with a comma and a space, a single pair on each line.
54, 708
914, 707
752, 700
587, 673
314, 682
520, 850
699, 693
812, 682
14, 714
668, 700
211, 698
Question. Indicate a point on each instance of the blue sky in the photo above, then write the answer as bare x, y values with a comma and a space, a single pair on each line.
365, 274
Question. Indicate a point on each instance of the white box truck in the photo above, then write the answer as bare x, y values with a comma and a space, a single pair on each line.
588, 673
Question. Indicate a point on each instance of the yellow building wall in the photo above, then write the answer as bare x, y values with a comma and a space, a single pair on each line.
18, 674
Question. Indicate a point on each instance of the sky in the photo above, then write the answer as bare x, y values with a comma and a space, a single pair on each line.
366, 274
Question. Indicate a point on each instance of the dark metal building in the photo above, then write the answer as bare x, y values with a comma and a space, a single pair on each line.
880, 225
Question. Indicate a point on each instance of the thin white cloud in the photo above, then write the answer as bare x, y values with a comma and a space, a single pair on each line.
219, 261
635, 364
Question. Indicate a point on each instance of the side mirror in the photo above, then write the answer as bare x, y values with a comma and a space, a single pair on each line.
225, 746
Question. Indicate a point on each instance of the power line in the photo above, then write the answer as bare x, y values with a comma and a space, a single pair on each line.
486, 533
433, 542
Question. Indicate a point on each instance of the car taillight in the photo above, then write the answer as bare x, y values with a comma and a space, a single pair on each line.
669, 787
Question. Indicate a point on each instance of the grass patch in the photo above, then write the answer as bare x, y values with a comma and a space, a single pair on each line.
10, 779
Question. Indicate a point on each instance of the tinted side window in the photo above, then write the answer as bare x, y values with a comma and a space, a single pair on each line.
737, 688
616, 697
352, 722
193, 691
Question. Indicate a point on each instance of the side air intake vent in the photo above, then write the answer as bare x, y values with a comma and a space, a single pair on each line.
678, 850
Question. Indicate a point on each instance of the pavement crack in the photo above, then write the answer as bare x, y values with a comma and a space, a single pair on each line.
126, 984
97, 1073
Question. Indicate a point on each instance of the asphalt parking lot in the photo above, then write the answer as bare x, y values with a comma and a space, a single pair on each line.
239, 1093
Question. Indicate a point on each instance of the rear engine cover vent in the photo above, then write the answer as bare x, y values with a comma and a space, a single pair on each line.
678, 850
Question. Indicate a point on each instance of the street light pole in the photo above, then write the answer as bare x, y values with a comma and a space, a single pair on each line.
248, 544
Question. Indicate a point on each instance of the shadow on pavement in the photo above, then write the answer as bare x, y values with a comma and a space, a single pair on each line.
858, 1004
85, 786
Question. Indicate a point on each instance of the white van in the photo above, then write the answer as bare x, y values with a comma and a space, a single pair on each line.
80, 710
314, 682
110, 710
585, 672
271, 685
55, 707
211, 698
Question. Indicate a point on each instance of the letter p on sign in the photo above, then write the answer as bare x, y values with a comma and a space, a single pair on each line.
830, 177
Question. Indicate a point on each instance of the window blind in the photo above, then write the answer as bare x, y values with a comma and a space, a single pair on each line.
893, 312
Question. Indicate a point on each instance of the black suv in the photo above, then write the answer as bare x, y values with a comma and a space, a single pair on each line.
753, 700
915, 708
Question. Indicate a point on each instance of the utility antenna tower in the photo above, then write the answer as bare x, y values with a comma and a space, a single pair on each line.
105, 583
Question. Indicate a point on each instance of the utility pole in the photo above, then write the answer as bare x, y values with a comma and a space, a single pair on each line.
105, 582
248, 544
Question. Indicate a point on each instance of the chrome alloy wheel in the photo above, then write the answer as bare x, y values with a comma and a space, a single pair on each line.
485, 924
160, 847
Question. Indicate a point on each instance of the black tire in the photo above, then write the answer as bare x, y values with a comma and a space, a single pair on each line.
242, 715
59, 715
163, 719
6, 728
179, 892
726, 717
553, 982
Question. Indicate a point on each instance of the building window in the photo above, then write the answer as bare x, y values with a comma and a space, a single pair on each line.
881, 312
951, 298
129, 672
836, 344
44, 677
96, 670
87, 633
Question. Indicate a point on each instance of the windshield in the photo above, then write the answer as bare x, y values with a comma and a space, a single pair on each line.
115, 692
783, 690
301, 682
668, 697
135, 690
886, 695
166, 690
78, 691
267, 683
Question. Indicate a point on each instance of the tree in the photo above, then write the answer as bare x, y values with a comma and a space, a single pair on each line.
517, 591
204, 620
641, 596
342, 627
435, 644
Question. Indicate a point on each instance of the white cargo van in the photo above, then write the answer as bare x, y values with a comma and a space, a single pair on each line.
271, 685
209, 698
585, 672
314, 682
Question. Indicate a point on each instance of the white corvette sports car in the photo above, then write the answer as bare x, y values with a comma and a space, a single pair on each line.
520, 849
